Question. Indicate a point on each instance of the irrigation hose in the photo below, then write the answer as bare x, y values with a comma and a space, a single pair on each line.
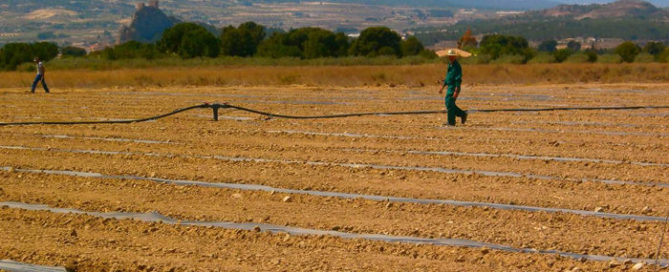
215, 107
659, 245
439, 111
105, 122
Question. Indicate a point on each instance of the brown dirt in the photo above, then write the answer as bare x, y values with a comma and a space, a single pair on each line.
188, 142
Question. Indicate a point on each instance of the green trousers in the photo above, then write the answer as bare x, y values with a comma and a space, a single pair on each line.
452, 109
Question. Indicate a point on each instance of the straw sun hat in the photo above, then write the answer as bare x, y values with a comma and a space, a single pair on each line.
453, 52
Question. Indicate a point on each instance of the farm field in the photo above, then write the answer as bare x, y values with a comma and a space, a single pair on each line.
507, 191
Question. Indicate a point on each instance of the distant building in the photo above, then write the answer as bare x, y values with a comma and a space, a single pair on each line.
9, 35
152, 3
97, 47
591, 43
508, 12
608, 43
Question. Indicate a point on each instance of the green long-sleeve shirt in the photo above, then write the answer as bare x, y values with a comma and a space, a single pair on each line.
453, 75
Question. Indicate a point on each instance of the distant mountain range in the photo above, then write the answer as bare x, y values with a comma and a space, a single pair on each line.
658, 3
625, 19
87, 22
486, 4
98, 6
618, 9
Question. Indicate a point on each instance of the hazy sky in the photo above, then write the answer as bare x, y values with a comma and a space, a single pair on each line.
663, 3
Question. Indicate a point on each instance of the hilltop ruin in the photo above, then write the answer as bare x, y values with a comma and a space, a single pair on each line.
148, 23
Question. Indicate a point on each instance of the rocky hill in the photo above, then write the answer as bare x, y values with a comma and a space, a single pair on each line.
618, 9
657, 3
623, 19
147, 25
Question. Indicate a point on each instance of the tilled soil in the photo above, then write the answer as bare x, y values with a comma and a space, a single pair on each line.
600, 160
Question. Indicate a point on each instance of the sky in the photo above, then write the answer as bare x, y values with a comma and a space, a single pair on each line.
661, 3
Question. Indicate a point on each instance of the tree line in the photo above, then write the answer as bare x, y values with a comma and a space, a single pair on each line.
13, 54
516, 49
189, 40
541, 28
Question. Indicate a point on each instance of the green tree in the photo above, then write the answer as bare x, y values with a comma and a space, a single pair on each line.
574, 46
72, 51
46, 51
128, 50
592, 55
13, 54
411, 46
343, 44
654, 48
242, 41
189, 40
251, 35
306, 42
149, 51
199, 43
500, 45
562, 54
108, 53
662, 57
547, 46
230, 41
627, 51
172, 37
387, 51
373, 39
320, 43
278, 46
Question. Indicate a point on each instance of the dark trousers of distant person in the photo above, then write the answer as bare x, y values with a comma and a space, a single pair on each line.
452, 109
39, 78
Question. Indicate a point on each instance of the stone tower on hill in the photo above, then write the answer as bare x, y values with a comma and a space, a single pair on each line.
147, 24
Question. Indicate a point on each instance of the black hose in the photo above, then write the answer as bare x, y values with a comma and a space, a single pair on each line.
106, 122
216, 107
437, 111
343, 115
574, 108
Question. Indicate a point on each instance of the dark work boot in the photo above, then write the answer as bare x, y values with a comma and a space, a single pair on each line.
464, 118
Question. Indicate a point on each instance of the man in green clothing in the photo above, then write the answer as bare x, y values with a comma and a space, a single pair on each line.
453, 81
